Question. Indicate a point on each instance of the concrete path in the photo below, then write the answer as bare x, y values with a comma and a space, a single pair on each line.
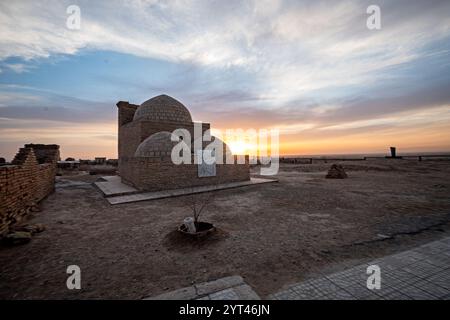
421, 273
117, 192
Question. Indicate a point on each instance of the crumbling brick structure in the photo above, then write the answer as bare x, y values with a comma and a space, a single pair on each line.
26, 181
145, 148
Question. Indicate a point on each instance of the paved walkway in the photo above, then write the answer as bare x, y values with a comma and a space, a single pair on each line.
420, 273
117, 192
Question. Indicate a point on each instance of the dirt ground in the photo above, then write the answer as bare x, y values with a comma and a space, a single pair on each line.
271, 234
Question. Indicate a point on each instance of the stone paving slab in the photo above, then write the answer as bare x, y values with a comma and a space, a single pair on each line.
422, 273
228, 288
134, 197
113, 186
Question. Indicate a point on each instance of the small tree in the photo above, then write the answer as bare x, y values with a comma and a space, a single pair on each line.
197, 202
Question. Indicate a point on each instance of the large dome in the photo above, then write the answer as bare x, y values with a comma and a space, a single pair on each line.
158, 144
163, 108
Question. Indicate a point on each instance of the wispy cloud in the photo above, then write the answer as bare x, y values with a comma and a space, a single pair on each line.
27, 103
293, 47
18, 67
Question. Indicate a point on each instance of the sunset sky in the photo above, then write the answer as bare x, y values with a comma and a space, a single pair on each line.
312, 69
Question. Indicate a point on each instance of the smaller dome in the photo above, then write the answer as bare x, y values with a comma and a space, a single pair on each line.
163, 108
158, 144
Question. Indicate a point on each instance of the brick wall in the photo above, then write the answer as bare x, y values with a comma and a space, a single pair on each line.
159, 173
45, 153
25, 182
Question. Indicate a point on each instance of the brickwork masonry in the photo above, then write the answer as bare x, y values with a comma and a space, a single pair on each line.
25, 182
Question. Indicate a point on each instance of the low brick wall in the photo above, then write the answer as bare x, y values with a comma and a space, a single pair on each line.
24, 183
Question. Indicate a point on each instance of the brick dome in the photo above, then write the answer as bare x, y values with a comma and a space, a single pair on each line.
163, 108
158, 144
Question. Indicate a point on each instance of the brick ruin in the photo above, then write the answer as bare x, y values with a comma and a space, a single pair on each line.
24, 182
145, 148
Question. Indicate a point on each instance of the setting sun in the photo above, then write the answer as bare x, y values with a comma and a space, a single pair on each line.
240, 147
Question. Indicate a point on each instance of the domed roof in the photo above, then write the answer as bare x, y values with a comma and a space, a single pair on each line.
158, 144
161, 144
163, 108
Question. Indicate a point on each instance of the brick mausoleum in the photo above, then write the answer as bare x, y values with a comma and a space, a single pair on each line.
145, 149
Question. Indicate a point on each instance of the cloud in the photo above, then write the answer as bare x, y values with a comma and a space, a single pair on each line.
418, 117
408, 108
27, 103
18, 67
290, 47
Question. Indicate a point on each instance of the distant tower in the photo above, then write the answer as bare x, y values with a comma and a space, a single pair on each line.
393, 152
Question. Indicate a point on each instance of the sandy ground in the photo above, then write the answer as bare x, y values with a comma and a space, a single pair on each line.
271, 235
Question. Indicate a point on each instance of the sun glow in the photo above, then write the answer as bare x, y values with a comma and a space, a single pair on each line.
240, 147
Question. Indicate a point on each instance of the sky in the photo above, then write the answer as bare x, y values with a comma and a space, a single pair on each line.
311, 69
